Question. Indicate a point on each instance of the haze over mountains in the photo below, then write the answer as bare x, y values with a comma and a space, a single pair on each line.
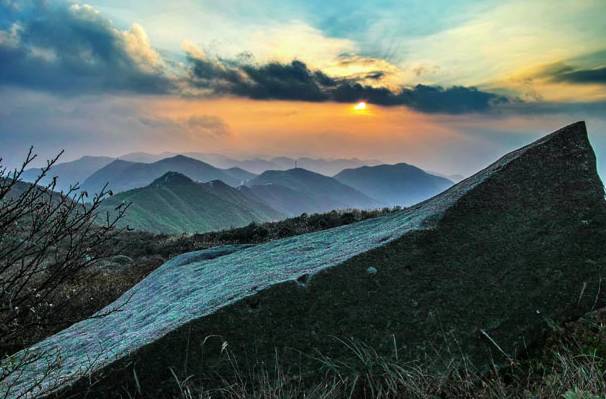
125, 175
71, 172
237, 196
321, 192
400, 184
257, 165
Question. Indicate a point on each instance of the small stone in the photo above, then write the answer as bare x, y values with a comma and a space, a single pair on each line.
371, 270
302, 280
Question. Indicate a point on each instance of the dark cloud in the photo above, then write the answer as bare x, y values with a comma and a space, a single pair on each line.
292, 81
570, 75
584, 69
456, 99
580, 109
295, 81
73, 49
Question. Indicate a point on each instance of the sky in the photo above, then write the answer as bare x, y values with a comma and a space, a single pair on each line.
449, 85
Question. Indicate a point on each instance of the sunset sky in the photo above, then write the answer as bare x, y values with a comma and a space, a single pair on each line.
449, 85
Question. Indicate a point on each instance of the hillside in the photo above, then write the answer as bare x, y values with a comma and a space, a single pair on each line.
240, 174
399, 184
124, 175
69, 173
176, 204
285, 200
300, 189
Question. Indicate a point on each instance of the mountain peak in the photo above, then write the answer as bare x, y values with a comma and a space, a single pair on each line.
172, 178
179, 157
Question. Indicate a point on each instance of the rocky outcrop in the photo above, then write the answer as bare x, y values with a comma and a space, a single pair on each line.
487, 264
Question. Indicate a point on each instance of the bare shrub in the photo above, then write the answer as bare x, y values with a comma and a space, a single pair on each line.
47, 240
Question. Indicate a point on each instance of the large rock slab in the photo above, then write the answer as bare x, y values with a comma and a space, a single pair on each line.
491, 261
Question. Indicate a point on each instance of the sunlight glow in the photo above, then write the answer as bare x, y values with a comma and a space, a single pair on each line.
361, 106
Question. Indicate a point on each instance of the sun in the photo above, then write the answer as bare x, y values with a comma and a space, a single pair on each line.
360, 106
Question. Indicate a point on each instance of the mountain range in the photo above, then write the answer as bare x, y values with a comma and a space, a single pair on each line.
272, 195
123, 175
176, 204
295, 190
327, 167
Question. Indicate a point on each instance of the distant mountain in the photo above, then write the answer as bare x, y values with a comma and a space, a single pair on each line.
454, 177
298, 190
240, 174
124, 175
175, 204
69, 173
259, 165
284, 199
255, 165
145, 157
329, 167
399, 184
326, 167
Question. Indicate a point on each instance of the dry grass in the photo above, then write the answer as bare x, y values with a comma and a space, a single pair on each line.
571, 366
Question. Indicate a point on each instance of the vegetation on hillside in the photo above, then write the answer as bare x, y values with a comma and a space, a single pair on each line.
175, 204
572, 365
48, 240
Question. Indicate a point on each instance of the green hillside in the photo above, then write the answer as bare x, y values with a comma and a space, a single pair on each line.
176, 204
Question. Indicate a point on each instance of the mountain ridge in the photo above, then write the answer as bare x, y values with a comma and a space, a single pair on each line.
124, 175
323, 193
176, 204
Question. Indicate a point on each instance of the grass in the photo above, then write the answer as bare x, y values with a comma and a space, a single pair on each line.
572, 365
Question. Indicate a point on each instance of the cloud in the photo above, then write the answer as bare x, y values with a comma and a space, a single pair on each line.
207, 125
295, 81
68, 49
72, 49
582, 76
